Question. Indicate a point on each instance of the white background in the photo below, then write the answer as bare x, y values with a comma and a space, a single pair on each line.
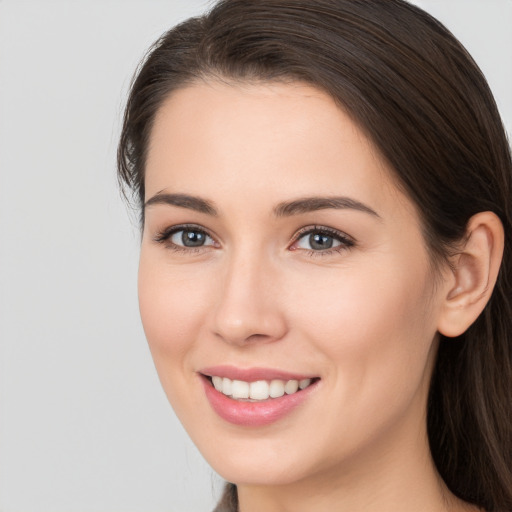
84, 425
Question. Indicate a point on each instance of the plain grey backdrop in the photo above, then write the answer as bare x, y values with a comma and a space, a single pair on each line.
84, 425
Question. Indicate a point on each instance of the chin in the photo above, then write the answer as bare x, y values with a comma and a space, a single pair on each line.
263, 460
256, 473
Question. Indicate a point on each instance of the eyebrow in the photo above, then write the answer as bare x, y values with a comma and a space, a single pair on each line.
183, 201
284, 209
311, 204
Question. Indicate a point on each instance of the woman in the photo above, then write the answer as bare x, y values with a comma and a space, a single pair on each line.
325, 272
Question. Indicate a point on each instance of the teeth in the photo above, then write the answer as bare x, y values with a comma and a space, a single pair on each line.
240, 389
276, 389
258, 390
217, 383
227, 386
304, 383
291, 386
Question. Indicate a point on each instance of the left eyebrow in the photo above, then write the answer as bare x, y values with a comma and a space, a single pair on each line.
183, 201
311, 204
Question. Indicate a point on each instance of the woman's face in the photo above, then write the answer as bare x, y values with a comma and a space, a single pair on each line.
277, 249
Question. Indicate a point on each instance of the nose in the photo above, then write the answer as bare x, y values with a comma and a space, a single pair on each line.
248, 307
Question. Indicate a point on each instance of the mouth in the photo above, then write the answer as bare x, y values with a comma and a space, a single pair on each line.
256, 397
259, 390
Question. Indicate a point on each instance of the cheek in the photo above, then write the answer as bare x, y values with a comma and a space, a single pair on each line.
376, 328
171, 306
359, 303
375, 333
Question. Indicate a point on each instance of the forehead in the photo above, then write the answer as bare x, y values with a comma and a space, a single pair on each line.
271, 140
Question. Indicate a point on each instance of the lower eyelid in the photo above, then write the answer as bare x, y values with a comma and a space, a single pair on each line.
334, 251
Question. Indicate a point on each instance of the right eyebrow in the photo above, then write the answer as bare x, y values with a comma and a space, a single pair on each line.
183, 201
312, 204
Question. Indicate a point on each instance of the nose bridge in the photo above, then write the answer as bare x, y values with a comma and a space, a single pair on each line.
247, 305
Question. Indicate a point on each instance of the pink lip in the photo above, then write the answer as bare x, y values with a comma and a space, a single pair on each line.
252, 374
254, 414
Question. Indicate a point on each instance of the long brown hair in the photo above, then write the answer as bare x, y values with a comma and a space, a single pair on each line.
419, 96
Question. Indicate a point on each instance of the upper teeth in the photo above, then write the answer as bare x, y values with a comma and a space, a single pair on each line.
258, 390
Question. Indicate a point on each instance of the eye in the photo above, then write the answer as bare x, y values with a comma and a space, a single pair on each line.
190, 238
184, 238
320, 239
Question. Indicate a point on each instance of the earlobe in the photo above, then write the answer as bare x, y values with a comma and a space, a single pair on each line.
474, 273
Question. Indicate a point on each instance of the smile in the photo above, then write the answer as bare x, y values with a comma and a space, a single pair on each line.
258, 390
256, 397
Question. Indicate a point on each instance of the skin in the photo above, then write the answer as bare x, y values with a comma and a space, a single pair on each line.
363, 318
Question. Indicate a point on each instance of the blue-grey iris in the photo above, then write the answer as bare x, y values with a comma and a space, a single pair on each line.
193, 238
319, 241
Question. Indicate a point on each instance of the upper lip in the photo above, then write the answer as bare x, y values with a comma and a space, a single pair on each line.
253, 374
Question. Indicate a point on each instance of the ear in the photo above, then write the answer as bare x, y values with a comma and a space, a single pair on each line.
473, 274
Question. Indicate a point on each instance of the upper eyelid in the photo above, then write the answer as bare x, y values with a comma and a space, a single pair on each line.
171, 230
322, 229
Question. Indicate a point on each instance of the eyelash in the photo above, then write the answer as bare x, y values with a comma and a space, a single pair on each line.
163, 237
345, 242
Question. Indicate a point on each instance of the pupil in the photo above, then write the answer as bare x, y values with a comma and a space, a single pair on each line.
192, 238
318, 241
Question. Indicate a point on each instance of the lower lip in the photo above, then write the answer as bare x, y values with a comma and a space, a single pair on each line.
254, 414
